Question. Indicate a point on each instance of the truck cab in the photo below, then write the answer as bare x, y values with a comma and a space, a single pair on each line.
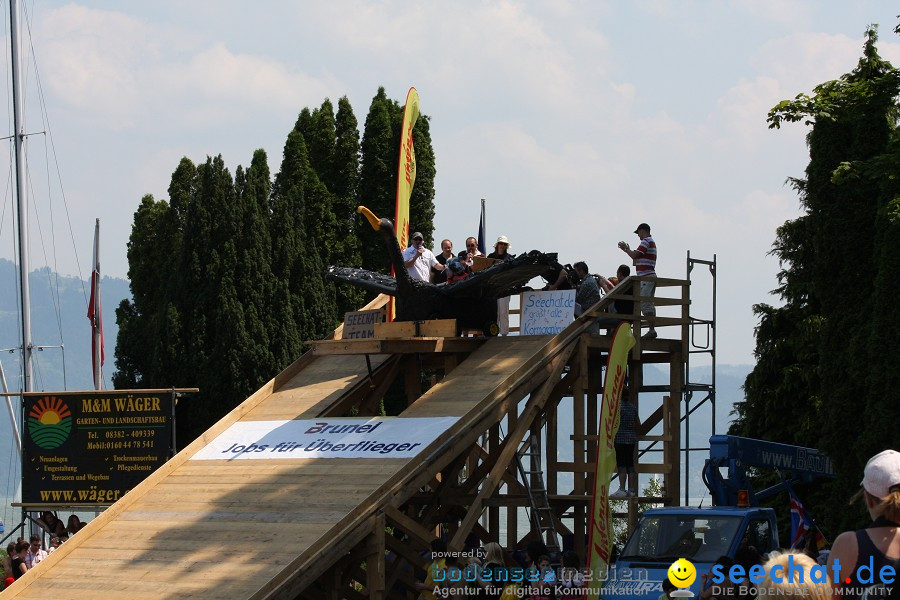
701, 535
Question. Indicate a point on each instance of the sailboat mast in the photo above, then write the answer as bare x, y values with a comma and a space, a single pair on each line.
22, 205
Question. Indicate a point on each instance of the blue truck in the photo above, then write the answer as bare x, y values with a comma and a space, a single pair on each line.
702, 535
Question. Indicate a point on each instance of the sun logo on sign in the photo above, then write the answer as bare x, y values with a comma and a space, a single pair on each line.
49, 422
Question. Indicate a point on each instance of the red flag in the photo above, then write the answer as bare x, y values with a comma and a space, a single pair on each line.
95, 314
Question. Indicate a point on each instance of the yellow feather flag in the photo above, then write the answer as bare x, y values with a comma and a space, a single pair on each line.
406, 173
600, 547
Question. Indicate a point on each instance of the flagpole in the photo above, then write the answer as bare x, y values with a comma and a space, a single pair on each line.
96, 342
484, 227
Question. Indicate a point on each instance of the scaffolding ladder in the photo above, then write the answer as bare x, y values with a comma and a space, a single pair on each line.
542, 521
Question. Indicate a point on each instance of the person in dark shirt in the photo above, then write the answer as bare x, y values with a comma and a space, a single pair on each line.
878, 545
625, 443
445, 255
620, 307
18, 559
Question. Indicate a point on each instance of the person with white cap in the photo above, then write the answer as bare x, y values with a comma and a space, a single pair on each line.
501, 247
419, 260
877, 546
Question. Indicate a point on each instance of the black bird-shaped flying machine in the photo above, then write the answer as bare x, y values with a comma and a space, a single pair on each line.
472, 301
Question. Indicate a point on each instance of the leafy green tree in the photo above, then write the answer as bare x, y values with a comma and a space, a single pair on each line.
819, 368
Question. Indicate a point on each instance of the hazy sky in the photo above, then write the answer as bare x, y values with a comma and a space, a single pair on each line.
575, 120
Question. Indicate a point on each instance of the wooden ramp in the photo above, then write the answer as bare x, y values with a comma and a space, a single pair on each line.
269, 528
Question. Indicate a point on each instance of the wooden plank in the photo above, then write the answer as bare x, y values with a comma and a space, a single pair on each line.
397, 346
286, 586
395, 330
438, 328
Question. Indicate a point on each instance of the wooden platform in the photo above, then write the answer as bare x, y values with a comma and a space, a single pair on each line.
316, 528
266, 528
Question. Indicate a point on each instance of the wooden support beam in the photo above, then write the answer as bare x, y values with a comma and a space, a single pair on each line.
404, 346
532, 410
494, 511
371, 404
412, 378
421, 534
382, 377
375, 561
407, 552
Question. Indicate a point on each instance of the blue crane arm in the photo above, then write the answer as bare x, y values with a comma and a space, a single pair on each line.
794, 464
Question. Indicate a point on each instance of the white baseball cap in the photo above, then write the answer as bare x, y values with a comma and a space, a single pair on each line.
882, 473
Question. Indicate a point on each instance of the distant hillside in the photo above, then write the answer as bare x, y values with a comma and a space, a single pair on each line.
68, 325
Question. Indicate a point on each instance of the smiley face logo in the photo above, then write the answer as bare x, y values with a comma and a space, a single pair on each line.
682, 573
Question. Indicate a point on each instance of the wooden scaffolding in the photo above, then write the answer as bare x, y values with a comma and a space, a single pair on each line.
517, 464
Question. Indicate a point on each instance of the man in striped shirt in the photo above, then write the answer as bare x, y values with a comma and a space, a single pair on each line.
645, 266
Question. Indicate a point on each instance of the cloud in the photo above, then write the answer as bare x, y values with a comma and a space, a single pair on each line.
117, 70
786, 12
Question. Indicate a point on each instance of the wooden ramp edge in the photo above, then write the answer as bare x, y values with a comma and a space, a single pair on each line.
267, 528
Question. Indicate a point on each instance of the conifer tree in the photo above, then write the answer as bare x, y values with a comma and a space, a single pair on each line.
139, 318
342, 184
421, 201
286, 226
377, 180
378, 175
253, 278
318, 129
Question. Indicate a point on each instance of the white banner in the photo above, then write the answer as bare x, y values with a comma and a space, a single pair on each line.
546, 312
377, 437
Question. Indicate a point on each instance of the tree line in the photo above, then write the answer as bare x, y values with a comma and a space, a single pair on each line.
825, 375
226, 274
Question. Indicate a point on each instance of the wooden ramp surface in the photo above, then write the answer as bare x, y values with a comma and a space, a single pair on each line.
247, 528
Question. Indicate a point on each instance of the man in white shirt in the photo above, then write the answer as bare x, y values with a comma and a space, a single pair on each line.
35, 553
419, 260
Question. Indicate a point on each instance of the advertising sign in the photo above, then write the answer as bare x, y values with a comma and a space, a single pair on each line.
381, 437
601, 538
92, 447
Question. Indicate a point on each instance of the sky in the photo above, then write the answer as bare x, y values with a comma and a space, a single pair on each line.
574, 120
